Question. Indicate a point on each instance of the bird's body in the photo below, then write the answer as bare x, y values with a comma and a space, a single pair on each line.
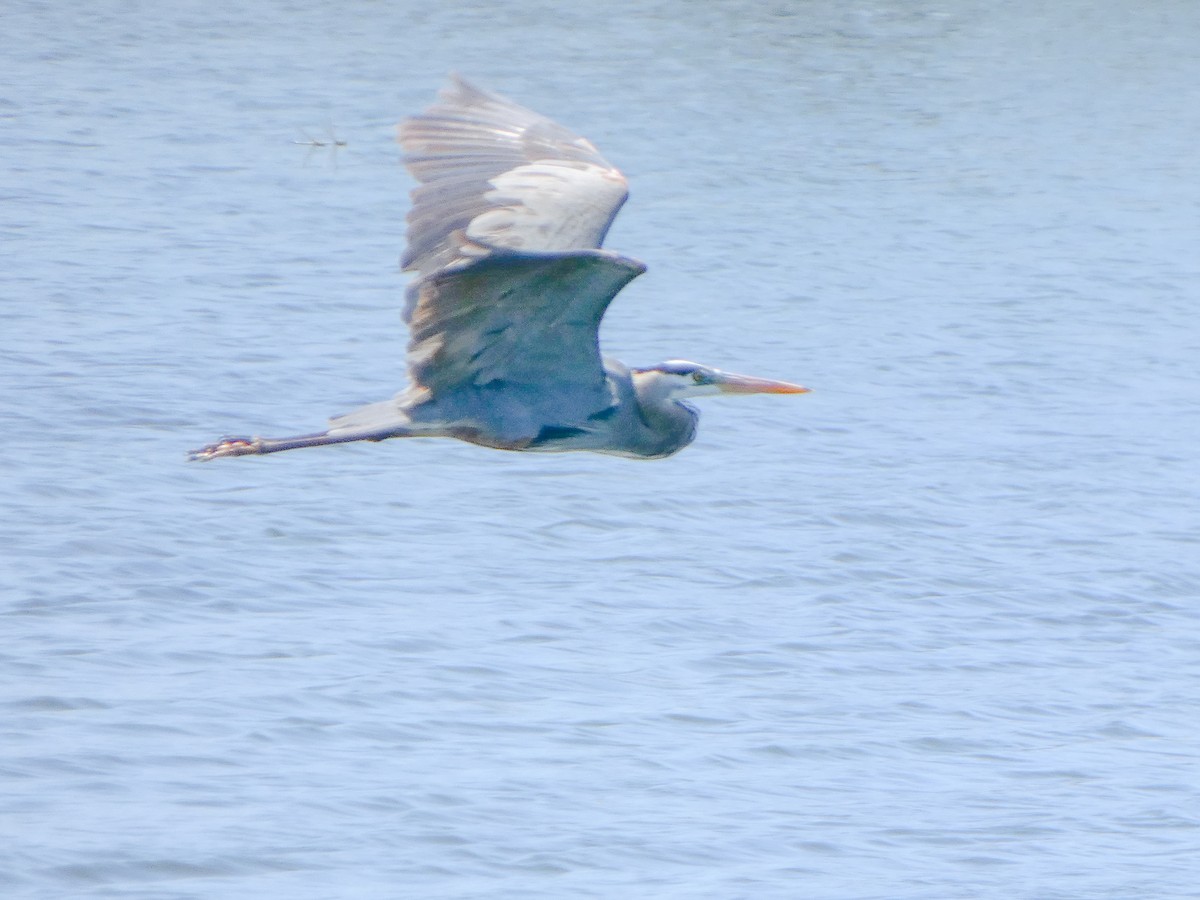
504, 235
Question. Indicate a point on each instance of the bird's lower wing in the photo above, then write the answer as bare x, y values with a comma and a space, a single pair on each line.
510, 340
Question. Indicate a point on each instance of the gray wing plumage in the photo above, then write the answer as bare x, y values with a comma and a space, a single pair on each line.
504, 234
496, 175
509, 342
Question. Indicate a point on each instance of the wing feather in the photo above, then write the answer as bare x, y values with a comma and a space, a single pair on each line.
509, 343
493, 174
504, 233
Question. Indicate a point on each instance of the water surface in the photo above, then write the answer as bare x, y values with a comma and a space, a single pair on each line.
928, 632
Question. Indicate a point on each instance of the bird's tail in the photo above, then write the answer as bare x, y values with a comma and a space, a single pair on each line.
384, 414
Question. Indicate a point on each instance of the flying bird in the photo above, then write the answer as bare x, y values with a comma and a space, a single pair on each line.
504, 236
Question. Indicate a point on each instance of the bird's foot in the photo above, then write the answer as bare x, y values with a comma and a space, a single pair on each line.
229, 446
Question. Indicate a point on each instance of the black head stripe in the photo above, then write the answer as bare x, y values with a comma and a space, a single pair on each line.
674, 367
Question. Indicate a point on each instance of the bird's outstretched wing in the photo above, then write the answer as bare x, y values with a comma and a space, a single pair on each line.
496, 175
504, 234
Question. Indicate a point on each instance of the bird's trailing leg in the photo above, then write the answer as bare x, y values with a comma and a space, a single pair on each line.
240, 446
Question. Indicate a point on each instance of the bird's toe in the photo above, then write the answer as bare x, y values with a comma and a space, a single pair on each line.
229, 446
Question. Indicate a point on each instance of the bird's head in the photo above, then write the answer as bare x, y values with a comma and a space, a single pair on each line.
679, 379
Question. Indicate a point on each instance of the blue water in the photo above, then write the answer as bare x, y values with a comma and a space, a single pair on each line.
931, 631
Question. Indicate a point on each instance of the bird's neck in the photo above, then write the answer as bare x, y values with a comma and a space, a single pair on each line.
672, 422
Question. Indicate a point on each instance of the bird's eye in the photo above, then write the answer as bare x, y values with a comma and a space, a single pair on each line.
699, 377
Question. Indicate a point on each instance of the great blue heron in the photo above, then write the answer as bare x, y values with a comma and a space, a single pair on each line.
504, 235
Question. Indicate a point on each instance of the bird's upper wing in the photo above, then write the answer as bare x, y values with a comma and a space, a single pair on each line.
496, 175
504, 235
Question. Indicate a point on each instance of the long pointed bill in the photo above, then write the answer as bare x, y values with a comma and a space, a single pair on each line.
745, 384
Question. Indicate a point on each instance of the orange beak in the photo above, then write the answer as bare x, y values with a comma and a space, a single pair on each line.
745, 384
